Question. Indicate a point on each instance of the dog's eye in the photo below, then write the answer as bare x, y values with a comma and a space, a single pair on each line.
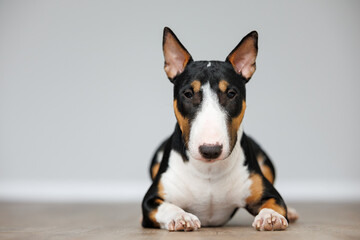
188, 93
231, 93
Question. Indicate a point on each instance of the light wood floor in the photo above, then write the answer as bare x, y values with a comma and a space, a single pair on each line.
121, 221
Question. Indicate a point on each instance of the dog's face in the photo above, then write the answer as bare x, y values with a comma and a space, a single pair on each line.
209, 96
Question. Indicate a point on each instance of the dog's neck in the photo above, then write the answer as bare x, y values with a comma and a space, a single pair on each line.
219, 168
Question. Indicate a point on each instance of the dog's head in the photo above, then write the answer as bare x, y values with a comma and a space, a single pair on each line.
209, 96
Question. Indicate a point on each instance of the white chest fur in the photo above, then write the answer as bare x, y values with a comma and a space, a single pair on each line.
211, 191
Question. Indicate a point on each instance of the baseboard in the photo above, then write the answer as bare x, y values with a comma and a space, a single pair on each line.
133, 191
73, 191
319, 190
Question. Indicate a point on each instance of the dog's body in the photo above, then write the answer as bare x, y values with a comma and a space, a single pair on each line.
209, 167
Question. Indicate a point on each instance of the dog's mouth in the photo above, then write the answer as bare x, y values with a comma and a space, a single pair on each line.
210, 160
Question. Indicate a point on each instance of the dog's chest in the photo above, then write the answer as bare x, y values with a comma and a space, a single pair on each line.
212, 194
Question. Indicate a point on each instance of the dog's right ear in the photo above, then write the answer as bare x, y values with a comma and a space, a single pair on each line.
175, 54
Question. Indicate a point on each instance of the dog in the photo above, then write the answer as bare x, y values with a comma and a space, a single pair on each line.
209, 168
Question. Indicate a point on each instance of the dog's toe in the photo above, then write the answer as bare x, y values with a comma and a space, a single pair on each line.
269, 220
184, 222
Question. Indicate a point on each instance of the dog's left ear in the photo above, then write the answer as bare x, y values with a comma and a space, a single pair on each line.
243, 57
175, 54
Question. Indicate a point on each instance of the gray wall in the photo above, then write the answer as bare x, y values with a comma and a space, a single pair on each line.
83, 96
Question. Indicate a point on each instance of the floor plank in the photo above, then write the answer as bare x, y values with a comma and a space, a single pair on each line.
122, 221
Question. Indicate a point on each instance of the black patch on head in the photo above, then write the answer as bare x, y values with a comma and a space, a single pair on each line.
218, 71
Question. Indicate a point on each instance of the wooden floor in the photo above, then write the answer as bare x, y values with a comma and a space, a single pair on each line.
121, 221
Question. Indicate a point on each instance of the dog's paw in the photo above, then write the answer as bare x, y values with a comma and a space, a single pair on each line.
269, 220
292, 215
183, 221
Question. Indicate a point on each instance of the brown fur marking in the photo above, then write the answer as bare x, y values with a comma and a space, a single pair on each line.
235, 124
266, 171
271, 203
196, 85
154, 170
223, 85
152, 217
161, 192
159, 201
183, 123
256, 189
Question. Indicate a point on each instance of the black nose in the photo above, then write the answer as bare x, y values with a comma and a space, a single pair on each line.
210, 151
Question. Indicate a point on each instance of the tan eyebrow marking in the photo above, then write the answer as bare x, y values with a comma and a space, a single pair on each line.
196, 85
223, 85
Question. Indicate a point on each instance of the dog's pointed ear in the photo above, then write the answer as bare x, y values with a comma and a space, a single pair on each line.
243, 57
175, 54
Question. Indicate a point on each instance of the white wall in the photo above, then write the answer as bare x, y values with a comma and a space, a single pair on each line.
84, 100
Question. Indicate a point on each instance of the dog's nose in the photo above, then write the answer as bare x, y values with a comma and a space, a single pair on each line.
210, 151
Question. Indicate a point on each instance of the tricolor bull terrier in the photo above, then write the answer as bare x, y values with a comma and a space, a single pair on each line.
208, 168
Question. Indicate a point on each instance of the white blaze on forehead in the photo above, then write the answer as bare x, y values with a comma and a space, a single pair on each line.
209, 125
209, 64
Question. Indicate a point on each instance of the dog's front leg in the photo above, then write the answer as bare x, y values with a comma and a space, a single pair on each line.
268, 206
159, 213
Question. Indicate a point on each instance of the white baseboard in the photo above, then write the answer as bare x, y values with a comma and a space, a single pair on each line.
133, 191
319, 190
73, 191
